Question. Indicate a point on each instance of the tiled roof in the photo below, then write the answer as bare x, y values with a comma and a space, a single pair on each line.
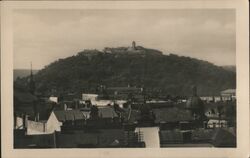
172, 115
69, 115
107, 112
223, 138
131, 116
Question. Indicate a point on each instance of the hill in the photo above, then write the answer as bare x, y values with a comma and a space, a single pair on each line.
230, 68
168, 74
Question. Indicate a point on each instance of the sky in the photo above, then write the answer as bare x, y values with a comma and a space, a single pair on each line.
43, 36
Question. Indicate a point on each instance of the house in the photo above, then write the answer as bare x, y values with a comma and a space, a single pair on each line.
53, 99
34, 127
218, 137
123, 93
215, 123
81, 118
130, 116
150, 136
228, 94
68, 117
56, 120
172, 117
211, 98
38, 127
107, 113
216, 114
123, 90
91, 97
159, 103
102, 103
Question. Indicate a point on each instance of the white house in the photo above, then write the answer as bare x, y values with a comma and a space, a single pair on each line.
53, 99
228, 94
91, 97
215, 123
44, 126
150, 135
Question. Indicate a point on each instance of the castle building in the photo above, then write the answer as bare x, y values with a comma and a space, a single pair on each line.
133, 45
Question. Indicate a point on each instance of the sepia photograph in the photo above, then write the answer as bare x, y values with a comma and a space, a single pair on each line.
124, 78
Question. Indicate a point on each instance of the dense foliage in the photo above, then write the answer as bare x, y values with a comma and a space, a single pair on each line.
168, 74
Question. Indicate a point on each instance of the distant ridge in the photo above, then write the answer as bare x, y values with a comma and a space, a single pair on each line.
230, 68
22, 73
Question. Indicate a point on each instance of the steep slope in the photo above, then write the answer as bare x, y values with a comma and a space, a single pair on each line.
170, 74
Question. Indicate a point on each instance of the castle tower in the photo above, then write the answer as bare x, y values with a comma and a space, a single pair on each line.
133, 45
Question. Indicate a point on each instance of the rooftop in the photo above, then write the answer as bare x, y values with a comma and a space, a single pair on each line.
228, 91
107, 112
69, 115
172, 115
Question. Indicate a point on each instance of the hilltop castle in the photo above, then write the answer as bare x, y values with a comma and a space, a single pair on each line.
133, 47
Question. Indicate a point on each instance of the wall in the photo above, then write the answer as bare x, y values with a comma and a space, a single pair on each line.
19, 123
53, 124
213, 123
34, 127
150, 136
89, 96
53, 99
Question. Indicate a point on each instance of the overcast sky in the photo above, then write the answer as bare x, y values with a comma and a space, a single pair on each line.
43, 36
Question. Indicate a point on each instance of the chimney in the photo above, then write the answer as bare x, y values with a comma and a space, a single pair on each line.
213, 99
221, 99
37, 117
76, 104
25, 121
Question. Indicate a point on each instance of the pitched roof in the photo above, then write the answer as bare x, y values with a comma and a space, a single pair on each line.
130, 115
107, 112
172, 115
69, 115
229, 91
223, 138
